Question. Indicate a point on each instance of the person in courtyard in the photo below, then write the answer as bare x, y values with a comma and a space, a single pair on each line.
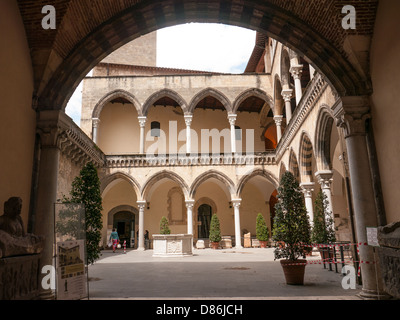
114, 238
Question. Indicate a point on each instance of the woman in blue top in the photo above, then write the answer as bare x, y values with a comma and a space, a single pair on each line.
114, 238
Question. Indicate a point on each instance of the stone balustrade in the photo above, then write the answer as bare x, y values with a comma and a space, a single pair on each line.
143, 160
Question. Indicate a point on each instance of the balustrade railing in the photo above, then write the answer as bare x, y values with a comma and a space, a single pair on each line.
198, 159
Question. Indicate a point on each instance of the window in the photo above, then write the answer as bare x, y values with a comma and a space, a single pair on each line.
155, 129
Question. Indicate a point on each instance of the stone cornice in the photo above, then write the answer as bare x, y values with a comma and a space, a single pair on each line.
57, 130
76, 145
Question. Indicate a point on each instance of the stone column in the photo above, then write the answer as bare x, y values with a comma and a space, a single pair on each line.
351, 114
238, 239
287, 96
188, 121
142, 124
308, 188
232, 120
50, 126
325, 180
189, 208
296, 71
278, 123
95, 128
141, 205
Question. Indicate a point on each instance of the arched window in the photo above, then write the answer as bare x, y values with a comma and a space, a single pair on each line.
155, 129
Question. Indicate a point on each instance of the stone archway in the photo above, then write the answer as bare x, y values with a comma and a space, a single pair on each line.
110, 29
123, 218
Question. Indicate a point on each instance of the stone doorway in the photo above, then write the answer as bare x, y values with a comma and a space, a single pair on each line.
124, 223
204, 213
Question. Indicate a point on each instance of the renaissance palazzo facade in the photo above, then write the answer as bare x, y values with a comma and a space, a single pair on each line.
187, 144
316, 99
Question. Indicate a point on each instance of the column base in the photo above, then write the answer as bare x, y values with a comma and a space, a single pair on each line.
47, 295
140, 249
373, 295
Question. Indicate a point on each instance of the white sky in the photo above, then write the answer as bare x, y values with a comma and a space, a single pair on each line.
195, 46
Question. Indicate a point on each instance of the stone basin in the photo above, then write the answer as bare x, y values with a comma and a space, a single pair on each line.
172, 245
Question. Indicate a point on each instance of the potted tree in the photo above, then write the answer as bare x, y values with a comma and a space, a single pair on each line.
323, 231
215, 232
164, 226
291, 230
262, 232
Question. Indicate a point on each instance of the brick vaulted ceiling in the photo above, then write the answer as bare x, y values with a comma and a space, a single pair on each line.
89, 30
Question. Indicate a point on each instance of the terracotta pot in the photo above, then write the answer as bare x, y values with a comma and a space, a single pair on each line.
294, 271
214, 245
263, 244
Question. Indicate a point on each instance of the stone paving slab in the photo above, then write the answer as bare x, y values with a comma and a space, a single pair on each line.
247, 274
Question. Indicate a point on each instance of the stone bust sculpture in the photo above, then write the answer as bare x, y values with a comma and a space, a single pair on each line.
13, 239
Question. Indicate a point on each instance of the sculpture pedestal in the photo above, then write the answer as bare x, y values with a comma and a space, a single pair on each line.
389, 258
172, 245
19, 277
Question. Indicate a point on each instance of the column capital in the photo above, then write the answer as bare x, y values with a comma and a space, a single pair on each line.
95, 122
51, 124
232, 118
236, 202
351, 114
296, 71
188, 119
324, 178
141, 204
307, 188
287, 94
189, 203
278, 119
142, 121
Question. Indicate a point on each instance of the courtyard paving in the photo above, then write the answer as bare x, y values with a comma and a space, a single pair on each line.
246, 274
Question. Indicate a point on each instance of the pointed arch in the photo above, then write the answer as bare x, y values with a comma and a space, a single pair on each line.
107, 182
253, 92
323, 138
256, 173
162, 175
294, 165
278, 99
306, 154
212, 174
282, 170
213, 93
110, 97
285, 67
164, 93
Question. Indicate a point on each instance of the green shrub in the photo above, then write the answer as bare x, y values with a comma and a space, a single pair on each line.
262, 232
164, 226
215, 230
322, 231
